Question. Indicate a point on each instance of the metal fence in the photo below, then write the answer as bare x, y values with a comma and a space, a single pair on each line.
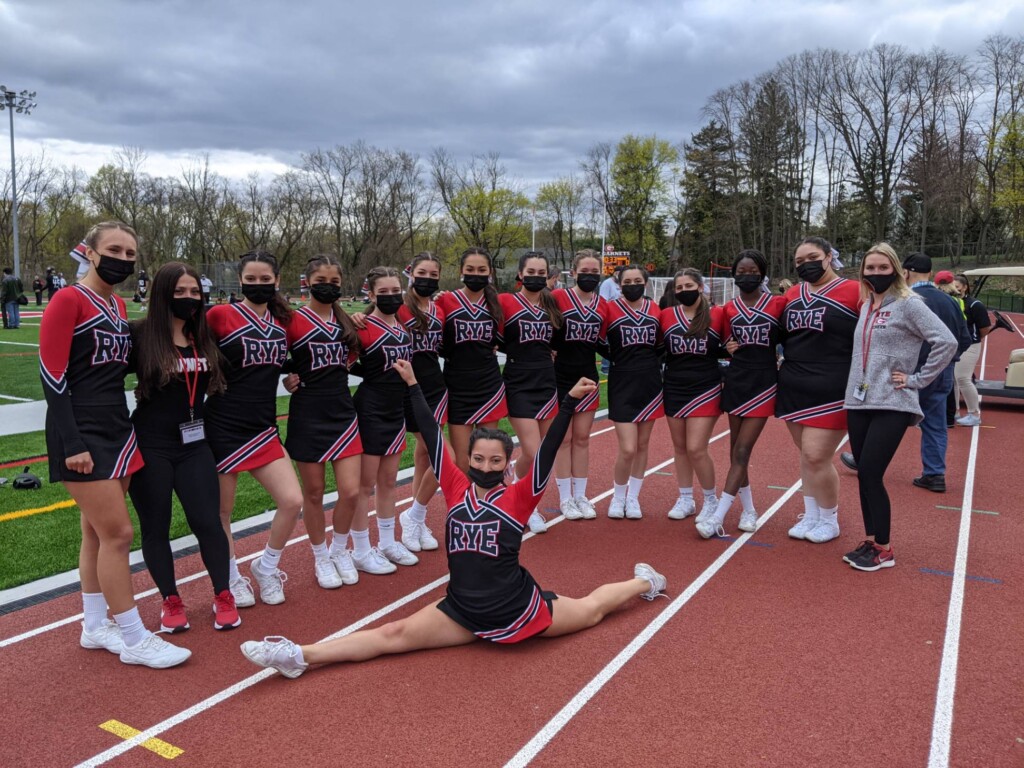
1004, 302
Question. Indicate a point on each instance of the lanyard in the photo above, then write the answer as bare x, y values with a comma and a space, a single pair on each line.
869, 329
193, 385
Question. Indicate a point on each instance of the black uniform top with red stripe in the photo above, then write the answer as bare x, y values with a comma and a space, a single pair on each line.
254, 348
426, 345
483, 536
159, 417
819, 325
84, 347
382, 345
756, 329
320, 355
527, 332
579, 338
686, 352
470, 333
633, 335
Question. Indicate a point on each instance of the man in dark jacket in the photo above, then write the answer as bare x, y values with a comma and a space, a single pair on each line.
934, 437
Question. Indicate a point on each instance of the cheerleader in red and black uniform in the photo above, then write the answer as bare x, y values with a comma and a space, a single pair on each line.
692, 330
632, 327
424, 320
577, 343
752, 329
490, 595
531, 320
241, 422
819, 324
84, 350
379, 403
472, 319
322, 423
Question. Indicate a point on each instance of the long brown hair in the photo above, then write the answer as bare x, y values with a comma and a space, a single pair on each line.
547, 301
420, 321
278, 307
349, 334
490, 294
702, 319
154, 342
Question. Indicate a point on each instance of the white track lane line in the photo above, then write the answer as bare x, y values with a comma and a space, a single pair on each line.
20, 344
531, 749
942, 723
227, 693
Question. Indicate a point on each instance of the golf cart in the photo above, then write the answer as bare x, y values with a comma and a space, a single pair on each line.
1014, 384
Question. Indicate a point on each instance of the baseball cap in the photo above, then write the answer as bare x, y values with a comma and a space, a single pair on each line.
918, 262
943, 277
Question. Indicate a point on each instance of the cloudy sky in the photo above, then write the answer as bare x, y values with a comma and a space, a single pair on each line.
255, 84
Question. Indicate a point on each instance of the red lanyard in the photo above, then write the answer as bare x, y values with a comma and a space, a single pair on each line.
193, 385
869, 329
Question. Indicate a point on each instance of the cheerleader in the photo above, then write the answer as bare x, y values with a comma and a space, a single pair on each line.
177, 364
692, 330
379, 403
577, 342
632, 327
84, 349
819, 322
242, 421
322, 423
472, 319
424, 321
531, 318
751, 325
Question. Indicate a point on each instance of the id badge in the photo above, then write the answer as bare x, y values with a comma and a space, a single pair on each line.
192, 432
861, 392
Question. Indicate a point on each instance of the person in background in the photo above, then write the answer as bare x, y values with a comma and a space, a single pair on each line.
207, 285
51, 283
37, 288
554, 281
979, 325
610, 291
11, 291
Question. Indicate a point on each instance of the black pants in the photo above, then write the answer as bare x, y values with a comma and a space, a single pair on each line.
874, 438
39, 298
190, 472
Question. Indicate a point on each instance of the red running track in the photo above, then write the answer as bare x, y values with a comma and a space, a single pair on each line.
782, 656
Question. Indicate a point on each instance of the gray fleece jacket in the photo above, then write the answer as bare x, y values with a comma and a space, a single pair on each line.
897, 330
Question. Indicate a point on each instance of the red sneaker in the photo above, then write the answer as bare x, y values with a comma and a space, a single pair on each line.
225, 614
873, 559
172, 615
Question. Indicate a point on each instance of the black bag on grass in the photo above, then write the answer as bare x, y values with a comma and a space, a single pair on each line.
26, 481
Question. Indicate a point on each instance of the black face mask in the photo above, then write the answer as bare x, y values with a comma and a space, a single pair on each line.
389, 303
687, 298
259, 293
425, 286
476, 282
811, 271
880, 283
112, 270
185, 308
325, 293
748, 283
485, 479
587, 282
633, 292
534, 283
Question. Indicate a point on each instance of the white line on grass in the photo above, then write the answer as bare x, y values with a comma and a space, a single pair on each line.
19, 399
20, 343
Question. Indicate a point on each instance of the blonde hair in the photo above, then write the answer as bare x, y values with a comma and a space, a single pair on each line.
92, 237
899, 287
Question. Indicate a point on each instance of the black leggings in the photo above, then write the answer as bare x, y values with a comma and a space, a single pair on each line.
874, 438
190, 472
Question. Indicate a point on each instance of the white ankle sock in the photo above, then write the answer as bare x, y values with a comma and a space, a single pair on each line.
619, 491
564, 488
320, 550
709, 493
686, 493
634, 486
579, 487
724, 502
360, 542
270, 559
339, 543
829, 514
385, 531
418, 512
133, 631
811, 511
746, 498
94, 606
233, 574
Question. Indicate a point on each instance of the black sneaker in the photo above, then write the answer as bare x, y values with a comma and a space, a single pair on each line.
875, 559
933, 483
864, 546
848, 461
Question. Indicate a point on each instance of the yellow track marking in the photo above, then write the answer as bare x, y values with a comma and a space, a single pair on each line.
37, 510
162, 748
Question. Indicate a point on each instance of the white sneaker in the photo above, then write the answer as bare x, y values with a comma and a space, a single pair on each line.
342, 562
277, 653
416, 536
155, 652
683, 508
398, 554
584, 505
241, 589
712, 524
570, 510
970, 420
826, 530
537, 522
658, 582
617, 509
327, 575
107, 637
633, 509
803, 526
373, 562
707, 508
748, 521
271, 584
427, 541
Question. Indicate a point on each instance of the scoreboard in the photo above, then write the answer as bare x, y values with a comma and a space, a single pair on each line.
613, 259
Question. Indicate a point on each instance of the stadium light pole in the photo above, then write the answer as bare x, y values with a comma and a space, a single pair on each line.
22, 103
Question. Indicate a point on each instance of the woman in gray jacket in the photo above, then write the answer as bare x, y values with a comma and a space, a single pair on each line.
881, 394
